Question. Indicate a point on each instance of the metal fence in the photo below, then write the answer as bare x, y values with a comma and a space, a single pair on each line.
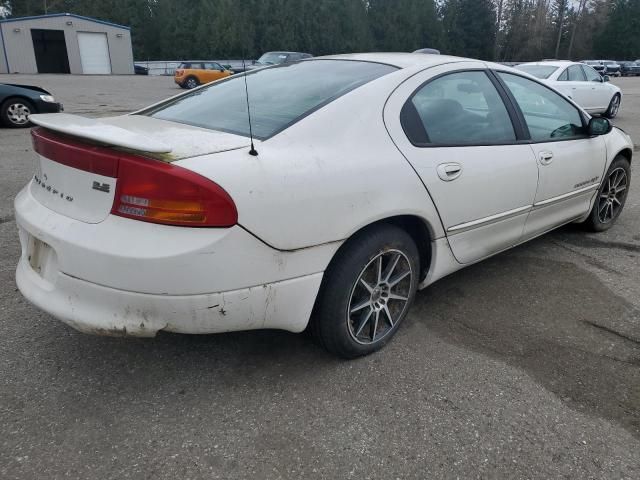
169, 67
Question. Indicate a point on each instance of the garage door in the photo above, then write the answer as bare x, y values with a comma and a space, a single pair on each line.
94, 53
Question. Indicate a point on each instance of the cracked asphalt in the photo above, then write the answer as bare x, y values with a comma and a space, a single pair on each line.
524, 366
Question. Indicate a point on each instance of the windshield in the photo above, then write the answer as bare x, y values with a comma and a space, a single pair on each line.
540, 71
279, 96
273, 58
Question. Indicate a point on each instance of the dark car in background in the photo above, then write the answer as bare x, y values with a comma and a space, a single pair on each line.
611, 68
629, 69
277, 58
140, 69
17, 102
597, 65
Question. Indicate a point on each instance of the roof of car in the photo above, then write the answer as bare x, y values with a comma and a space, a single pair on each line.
401, 60
555, 63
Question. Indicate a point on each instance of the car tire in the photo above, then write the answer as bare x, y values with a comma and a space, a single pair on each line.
14, 112
614, 106
191, 82
611, 197
366, 292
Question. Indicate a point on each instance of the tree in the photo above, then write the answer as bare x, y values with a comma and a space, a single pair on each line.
559, 12
619, 38
404, 25
469, 27
490, 29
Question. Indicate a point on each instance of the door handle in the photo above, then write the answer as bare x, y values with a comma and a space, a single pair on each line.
546, 158
449, 171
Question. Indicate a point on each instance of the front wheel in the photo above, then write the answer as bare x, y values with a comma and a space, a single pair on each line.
614, 107
15, 112
612, 196
366, 292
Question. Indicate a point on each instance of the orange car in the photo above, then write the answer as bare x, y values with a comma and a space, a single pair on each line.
192, 74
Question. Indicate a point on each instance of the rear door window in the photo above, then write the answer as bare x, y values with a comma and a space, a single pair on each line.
457, 109
591, 74
575, 74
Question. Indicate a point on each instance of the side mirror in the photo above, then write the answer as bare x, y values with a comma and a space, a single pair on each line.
599, 126
605, 78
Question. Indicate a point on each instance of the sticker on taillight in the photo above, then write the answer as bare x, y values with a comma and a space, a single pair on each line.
157, 192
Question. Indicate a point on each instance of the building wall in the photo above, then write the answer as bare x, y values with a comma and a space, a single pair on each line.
3, 60
19, 44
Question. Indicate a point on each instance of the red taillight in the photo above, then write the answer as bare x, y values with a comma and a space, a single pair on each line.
146, 189
158, 192
179, 72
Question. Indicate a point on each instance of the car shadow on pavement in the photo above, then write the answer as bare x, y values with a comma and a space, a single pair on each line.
553, 320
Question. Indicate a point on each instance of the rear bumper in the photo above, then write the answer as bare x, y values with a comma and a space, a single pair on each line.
99, 310
122, 275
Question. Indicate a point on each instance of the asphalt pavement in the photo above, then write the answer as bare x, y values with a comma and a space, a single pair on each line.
526, 365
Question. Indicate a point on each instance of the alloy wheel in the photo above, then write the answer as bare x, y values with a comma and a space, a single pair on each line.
379, 297
191, 83
612, 195
18, 113
615, 106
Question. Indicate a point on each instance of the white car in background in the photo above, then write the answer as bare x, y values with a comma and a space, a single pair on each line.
579, 82
373, 175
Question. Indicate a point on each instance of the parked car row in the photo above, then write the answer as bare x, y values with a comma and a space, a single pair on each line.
604, 67
613, 68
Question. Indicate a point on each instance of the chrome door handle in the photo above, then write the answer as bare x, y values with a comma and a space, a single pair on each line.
546, 158
449, 171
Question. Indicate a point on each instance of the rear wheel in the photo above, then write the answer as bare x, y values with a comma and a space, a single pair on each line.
191, 82
612, 196
15, 112
366, 292
614, 106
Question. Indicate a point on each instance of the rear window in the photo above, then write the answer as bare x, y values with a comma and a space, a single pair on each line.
279, 96
539, 71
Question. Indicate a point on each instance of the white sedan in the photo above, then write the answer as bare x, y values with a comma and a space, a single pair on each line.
373, 175
581, 83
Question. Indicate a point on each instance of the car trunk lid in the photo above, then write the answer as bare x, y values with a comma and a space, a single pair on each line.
77, 161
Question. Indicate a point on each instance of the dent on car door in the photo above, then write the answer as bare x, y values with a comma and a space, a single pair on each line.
570, 162
455, 130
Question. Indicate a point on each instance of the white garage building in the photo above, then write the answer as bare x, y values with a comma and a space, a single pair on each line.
64, 43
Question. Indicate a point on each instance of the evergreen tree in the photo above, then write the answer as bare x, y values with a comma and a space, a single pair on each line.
469, 27
526, 29
620, 37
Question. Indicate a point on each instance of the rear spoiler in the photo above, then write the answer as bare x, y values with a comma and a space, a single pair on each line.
97, 131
